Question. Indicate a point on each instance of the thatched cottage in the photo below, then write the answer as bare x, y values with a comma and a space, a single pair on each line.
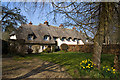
44, 35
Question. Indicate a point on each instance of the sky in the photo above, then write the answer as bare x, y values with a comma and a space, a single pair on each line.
38, 14
37, 17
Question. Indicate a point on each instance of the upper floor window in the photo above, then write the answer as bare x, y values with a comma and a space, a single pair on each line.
46, 37
69, 39
63, 39
55, 38
75, 39
30, 37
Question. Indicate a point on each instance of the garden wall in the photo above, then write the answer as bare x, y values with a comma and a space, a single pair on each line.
88, 48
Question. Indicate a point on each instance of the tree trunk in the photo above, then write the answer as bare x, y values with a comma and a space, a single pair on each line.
117, 54
99, 37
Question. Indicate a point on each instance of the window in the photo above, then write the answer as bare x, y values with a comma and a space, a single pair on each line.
45, 38
29, 46
43, 47
62, 39
69, 39
30, 37
75, 39
55, 38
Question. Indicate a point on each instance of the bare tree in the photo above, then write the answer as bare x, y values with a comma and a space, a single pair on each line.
95, 18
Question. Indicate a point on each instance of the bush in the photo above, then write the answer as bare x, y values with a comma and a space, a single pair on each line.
64, 47
17, 48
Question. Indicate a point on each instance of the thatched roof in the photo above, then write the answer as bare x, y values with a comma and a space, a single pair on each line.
41, 30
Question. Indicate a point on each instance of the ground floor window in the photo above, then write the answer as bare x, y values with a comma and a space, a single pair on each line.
29, 46
43, 47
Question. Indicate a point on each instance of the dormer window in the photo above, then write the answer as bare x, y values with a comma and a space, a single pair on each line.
69, 39
30, 37
63, 39
75, 39
47, 37
55, 38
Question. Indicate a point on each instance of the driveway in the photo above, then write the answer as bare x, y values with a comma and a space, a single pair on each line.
34, 68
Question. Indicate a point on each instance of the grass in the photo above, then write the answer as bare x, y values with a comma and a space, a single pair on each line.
71, 62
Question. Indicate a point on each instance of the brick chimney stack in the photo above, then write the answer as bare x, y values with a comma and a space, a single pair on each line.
46, 23
61, 26
74, 28
30, 23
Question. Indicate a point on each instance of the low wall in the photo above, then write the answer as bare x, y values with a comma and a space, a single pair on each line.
88, 48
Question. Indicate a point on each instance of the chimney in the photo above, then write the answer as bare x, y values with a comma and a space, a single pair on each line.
74, 28
46, 23
61, 26
30, 23
80, 31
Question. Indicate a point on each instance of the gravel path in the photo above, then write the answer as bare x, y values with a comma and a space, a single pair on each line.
34, 68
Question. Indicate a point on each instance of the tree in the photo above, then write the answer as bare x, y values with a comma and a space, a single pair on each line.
95, 18
11, 18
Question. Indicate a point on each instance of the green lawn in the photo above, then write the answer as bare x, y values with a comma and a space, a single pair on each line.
71, 62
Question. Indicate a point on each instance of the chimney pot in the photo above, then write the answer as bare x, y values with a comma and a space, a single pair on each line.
30, 23
61, 25
74, 28
46, 23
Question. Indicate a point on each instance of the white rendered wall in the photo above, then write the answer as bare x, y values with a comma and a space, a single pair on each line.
13, 37
80, 42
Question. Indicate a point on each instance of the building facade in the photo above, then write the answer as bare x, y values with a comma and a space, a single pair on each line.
44, 35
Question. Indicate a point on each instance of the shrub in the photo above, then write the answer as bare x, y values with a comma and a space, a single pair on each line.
64, 47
